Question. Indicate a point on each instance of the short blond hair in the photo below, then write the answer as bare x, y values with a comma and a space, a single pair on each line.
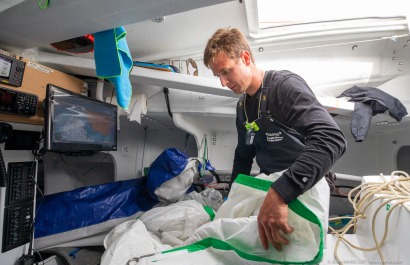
229, 41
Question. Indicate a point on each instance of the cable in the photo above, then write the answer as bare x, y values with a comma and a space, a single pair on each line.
38, 189
88, 170
205, 155
5, 132
29, 257
3, 171
102, 160
187, 135
396, 189
143, 150
36, 151
41, 257
112, 94
166, 92
154, 95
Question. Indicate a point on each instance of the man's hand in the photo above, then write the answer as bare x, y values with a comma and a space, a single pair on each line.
273, 221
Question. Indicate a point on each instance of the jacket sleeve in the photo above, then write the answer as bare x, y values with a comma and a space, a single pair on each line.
293, 103
244, 154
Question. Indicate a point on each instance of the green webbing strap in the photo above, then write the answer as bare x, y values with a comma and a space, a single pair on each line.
205, 155
210, 211
43, 5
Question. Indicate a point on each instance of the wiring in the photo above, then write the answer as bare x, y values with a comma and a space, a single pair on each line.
205, 155
88, 170
112, 94
143, 149
39, 255
166, 93
187, 136
396, 188
41, 197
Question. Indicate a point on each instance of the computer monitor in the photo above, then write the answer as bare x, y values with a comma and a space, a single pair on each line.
76, 124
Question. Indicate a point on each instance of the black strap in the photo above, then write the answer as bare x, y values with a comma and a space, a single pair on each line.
240, 110
265, 91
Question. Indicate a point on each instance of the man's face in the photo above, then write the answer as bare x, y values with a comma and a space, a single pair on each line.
233, 73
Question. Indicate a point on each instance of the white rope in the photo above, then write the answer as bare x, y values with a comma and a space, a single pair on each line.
396, 188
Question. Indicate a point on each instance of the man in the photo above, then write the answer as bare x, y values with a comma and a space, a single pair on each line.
281, 123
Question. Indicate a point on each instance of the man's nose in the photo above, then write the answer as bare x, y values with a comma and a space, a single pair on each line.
224, 81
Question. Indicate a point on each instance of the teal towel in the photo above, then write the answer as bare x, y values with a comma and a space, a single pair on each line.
113, 62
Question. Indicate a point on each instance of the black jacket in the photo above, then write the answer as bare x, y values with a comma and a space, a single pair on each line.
370, 101
296, 134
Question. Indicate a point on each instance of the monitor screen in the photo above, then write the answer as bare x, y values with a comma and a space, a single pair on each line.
78, 124
5, 67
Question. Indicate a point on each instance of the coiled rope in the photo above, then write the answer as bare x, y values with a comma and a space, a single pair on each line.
396, 189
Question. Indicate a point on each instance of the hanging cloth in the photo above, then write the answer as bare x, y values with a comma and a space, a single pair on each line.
113, 62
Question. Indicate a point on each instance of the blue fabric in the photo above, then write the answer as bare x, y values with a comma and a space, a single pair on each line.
113, 62
169, 164
208, 165
154, 66
82, 207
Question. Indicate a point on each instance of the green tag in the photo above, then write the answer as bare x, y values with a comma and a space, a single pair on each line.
387, 207
252, 125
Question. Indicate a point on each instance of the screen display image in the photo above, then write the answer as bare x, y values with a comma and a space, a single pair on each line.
5, 67
7, 98
76, 123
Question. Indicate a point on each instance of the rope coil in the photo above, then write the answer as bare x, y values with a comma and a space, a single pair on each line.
396, 188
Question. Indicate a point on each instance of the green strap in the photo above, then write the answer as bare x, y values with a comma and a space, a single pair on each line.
43, 5
205, 154
210, 211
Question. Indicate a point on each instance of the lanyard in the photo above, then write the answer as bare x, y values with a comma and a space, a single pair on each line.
252, 127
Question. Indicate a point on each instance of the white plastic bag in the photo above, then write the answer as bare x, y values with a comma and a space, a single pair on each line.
245, 200
127, 240
174, 223
208, 197
175, 188
233, 238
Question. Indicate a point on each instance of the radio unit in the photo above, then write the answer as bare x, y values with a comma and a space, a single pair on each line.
19, 103
11, 70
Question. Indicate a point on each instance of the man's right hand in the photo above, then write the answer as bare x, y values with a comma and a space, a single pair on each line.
273, 221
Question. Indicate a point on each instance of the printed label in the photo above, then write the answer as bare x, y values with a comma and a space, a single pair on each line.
274, 137
39, 67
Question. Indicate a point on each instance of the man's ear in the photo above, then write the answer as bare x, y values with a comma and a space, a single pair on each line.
246, 57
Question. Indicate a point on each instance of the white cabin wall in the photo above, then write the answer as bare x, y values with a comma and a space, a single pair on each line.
128, 157
391, 141
222, 149
132, 155
389, 145
360, 158
376, 154
63, 173
158, 140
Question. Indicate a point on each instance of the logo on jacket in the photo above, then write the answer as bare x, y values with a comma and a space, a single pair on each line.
274, 137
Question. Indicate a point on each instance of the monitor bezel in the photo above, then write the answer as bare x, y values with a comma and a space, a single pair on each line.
70, 147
